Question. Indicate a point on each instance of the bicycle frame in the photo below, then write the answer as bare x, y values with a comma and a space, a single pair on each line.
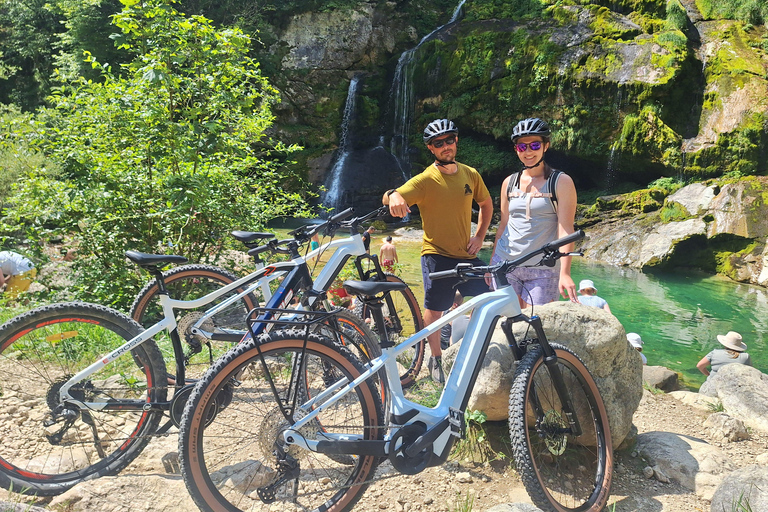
441, 421
294, 272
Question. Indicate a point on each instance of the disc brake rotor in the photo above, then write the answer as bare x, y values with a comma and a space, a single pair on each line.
552, 429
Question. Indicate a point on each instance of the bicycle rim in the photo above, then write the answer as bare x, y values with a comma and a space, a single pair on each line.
228, 462
561, 472
51, 446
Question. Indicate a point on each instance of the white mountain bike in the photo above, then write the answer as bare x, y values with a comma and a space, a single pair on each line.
304, 426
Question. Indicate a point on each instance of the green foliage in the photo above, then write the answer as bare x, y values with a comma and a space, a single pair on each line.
716, 406
489, 159
754, 12
27, 34
668, 185
170, 157
463, 503
677, 18
501, 9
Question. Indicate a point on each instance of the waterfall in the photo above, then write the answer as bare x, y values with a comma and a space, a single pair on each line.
615, 155
332, 197
402, 99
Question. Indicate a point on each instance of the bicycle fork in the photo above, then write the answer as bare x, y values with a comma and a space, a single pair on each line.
550, 360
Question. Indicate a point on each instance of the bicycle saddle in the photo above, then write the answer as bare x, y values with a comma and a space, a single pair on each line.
143, 259
371, 288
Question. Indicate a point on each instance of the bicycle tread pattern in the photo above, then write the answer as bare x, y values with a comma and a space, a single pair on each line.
553, 466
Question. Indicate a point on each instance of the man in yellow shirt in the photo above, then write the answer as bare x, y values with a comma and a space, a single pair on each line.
444, 193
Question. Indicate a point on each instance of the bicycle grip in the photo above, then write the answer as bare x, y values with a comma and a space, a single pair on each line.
342, 215
567, 239
442, 274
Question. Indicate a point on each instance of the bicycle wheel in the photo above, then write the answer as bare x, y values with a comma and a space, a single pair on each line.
229, 446
189, 282
48, 447
403, 317
560, 471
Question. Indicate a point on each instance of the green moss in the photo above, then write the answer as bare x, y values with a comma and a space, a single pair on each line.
646, 134
673, 212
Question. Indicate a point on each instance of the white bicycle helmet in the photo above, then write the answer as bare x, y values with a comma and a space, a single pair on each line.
531, 126
439, 127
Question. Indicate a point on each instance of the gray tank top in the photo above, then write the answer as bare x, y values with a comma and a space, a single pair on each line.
532, 223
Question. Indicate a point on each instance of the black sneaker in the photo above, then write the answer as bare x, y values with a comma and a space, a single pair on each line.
435, 367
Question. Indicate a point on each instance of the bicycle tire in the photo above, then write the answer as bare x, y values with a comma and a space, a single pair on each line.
401, 311
227, 453
188, 282
560, 472
39, 351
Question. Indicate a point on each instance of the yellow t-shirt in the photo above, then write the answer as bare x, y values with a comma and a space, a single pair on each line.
445, 204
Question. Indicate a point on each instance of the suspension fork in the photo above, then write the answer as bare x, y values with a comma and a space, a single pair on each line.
550, 360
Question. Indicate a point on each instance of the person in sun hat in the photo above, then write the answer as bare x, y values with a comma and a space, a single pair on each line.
735, 351
588, 295
637, 343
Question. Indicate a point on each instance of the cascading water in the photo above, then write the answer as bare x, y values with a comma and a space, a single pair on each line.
332, 197
402, 99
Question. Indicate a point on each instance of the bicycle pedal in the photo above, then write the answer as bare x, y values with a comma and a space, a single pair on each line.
456, 421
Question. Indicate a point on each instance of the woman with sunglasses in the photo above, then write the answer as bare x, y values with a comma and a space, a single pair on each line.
538, 205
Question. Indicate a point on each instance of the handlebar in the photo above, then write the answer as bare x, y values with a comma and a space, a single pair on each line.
328, 228
549, 250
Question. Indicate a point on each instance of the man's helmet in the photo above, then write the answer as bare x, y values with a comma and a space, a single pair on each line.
531, 126
439, 127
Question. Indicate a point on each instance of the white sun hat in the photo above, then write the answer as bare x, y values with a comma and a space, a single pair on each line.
634, 339
732, 340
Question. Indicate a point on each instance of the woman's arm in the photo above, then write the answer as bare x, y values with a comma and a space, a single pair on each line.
504, 208
702, 366
566, 215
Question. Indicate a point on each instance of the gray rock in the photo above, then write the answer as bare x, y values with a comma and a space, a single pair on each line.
746, 487
595, 336
695, 198
723, 426
660, 377
738, 209
7, 506
691, 462
705, 403
743, 391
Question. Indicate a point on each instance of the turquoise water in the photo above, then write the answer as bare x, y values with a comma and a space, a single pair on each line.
678, 315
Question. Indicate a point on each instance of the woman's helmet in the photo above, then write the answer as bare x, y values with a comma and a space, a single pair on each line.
531, 126
439, 127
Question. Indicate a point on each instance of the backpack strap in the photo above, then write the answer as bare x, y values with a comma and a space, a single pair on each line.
552, 186
514, 181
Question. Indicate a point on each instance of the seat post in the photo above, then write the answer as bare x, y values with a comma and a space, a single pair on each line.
376, 305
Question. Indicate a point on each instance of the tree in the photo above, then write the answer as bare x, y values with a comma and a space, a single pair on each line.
170, 155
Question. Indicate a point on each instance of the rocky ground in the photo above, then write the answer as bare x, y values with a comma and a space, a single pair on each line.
145, 485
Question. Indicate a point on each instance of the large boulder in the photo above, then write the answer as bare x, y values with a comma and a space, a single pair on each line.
689, 461
743, 391
737, 210
743, 488
594, 335
660, 377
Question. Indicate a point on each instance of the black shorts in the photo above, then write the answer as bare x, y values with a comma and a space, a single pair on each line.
438, 294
